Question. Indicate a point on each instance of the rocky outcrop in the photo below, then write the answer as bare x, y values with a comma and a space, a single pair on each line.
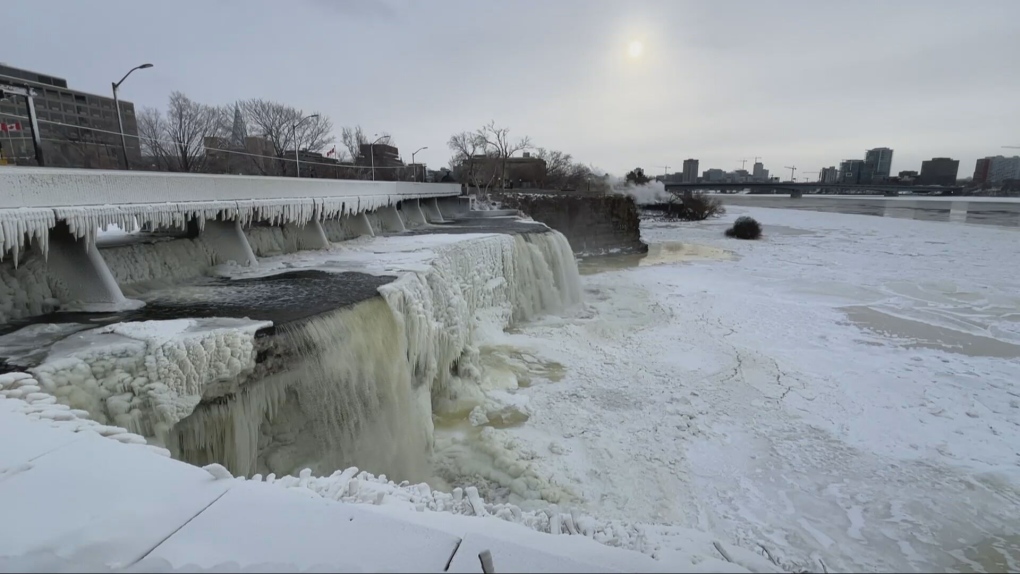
593, 224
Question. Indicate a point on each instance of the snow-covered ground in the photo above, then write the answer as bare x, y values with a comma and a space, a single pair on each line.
839, 395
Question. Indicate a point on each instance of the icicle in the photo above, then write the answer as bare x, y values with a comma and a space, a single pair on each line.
19, 227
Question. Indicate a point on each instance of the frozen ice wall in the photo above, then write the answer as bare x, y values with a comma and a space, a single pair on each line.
147, 376
27, 289
141, 265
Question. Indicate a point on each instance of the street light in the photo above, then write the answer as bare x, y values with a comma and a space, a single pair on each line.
120, 120
412, 163
371, 153
297, 158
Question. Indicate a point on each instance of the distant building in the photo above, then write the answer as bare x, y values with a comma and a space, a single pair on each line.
690, 171
851, 171
877, 165
981, 170
77, 129
997, 169
828, 175
759, 173
939, 171
527, 171
713, 175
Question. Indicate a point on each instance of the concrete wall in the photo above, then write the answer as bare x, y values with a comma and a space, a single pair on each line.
594, 224
46, 187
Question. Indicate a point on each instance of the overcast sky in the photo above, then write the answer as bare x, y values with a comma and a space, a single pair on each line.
803, 83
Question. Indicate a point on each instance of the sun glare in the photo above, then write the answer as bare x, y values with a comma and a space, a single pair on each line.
635, 49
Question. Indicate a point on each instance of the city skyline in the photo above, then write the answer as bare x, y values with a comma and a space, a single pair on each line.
934, 86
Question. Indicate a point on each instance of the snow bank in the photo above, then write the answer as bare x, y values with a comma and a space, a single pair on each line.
147, 376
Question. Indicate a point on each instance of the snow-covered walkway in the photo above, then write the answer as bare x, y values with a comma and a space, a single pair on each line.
840, 395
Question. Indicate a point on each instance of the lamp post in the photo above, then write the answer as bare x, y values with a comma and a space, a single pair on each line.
120, 120
413, 164
371, 153
297, 158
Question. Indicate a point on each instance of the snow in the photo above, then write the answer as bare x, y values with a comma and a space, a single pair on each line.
836, 396
743, 396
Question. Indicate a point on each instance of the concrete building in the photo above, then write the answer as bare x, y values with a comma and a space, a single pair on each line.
996, 169
759, 173
77, 129
713, 175
527, 171
828, 175
981, 169
690, 171
877, 165
851, 171
939, 171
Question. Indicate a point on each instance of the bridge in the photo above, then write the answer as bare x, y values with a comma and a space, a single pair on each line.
796, 189
58, 212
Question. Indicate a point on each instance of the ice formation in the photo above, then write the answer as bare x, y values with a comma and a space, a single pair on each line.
20, 227
137, 265
28, 396
28, 289
147, 376
358, 385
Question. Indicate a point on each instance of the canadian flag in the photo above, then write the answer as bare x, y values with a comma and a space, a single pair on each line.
15, 127
331, 152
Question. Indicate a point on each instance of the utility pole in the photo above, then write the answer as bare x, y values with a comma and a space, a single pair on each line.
120, 120
792, 168
293, 132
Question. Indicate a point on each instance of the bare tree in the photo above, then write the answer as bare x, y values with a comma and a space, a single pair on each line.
151, 131
187, 124
466, 147
353, 139
276, 122
499, 145
176, 140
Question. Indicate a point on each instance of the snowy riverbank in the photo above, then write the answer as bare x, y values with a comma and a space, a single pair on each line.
841, 392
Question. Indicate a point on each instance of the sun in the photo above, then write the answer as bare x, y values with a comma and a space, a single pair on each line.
635, 49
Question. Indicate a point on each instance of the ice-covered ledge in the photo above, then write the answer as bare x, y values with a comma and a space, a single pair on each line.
87, 200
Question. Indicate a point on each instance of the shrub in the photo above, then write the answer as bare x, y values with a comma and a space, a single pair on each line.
700, 206
745, 228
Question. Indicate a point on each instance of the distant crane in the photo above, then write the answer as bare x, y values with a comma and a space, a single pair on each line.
803, 173
665, 169
792, 168
756, 158
743, 162
1011, 146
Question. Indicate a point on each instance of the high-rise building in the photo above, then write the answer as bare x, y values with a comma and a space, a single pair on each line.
996, 169
713, 175
759, 173
77, 129
981, 169
939, 171
851, 171
877, 164
828, 175
690, 171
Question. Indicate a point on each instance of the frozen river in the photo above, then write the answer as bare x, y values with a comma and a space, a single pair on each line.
839, 395
1003, 212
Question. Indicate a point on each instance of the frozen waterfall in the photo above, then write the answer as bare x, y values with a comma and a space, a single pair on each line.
352, 387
